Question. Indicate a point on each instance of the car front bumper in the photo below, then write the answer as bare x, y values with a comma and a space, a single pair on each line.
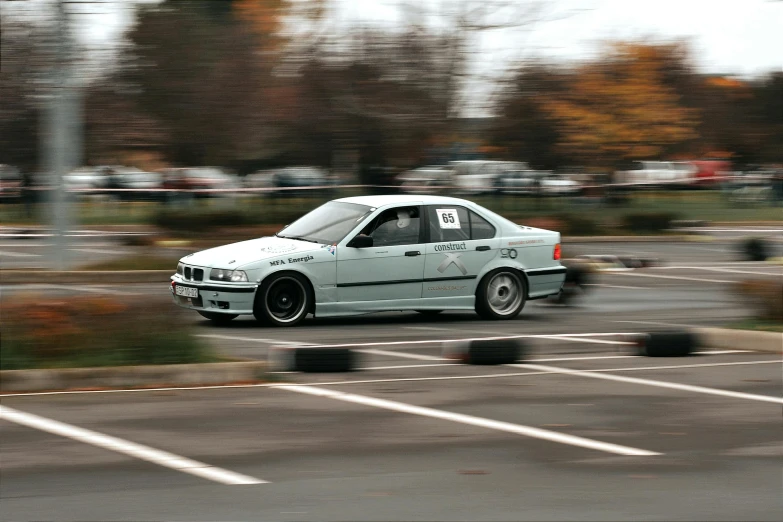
215, 297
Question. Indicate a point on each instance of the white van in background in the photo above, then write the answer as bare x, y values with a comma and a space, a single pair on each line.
481, 176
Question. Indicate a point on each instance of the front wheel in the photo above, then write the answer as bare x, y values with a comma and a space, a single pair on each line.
283, 300
218, 318
501, 294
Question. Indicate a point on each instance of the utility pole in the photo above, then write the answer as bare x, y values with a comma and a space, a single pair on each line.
62, 145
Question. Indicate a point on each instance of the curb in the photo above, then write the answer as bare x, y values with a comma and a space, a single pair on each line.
11, 277
170, 375
751, 340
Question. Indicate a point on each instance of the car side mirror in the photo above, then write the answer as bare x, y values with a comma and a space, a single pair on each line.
361, 242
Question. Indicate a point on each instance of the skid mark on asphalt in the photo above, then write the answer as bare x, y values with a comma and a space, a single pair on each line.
139, 451
481, 422
595, 374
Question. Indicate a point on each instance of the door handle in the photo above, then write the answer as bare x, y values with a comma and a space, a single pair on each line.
411, 253
482, 248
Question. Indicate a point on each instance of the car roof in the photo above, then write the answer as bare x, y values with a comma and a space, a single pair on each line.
392, 199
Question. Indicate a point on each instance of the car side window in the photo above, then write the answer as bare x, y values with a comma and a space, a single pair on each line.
480, 228
395, 226
448, 223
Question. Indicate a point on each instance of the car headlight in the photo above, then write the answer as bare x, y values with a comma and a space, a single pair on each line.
220, 274
180, 268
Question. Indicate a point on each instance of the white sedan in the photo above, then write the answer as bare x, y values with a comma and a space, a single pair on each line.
376, 253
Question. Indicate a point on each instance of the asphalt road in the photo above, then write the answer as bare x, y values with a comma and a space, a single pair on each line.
582, 429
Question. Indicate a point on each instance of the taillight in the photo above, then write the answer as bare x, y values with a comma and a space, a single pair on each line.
556, 255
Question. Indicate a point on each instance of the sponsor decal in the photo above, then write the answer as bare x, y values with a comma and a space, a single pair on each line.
452, 259
330, 248
276, 263
525, 242
445, 288
450, 246
304, 259
510, 253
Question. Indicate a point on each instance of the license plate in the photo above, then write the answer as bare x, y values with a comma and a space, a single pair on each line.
186, 291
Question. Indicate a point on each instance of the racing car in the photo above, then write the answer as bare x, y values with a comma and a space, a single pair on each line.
378, 253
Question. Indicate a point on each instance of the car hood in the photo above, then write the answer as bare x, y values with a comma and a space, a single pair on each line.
236, 255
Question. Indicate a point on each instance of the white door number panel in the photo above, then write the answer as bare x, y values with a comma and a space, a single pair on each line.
448, 218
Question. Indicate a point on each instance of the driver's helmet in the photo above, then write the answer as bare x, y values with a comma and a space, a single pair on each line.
403, 218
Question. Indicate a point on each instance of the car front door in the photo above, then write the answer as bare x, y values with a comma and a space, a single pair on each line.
460, 243
393, 267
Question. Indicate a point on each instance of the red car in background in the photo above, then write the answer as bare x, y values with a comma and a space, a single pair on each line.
710, 172
200, 179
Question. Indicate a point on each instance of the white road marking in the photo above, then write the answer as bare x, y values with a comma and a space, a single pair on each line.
678, 325
374, 381
583, 340
428, 328
139, 451
660, 384
481, 422
636, 274
403, 355
727, 270
5, 253
97, 251
618, 286
88, 289
252, 340
405, 366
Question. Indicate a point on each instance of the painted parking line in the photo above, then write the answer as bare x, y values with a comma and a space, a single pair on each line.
726, 270
597, 374
132, 449
373, 381
481, 422
403, 355
5, 253
680, 278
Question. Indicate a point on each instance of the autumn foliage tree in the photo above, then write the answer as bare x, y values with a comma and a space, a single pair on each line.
619, 109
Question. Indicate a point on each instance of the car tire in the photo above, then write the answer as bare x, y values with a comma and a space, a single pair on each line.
217, 317
501, 294
283, 299
668, 344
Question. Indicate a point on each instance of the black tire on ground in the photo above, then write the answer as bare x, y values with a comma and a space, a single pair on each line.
429, 312
755, 249
495, 351
669, 344
324, 360
283, 299
501, 294
217, 317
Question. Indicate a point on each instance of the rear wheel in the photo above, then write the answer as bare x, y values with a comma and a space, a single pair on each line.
283, 299
501, 294
218, 318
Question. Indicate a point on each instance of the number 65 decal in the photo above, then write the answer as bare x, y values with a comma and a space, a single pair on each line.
510, 253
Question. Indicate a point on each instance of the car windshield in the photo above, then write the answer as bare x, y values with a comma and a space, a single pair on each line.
328, 223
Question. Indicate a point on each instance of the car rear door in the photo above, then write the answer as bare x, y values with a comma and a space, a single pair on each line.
460, 243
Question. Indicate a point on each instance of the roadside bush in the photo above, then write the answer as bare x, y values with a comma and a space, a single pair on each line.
648, 221
578, 225
198, 220
766, 296
93, 331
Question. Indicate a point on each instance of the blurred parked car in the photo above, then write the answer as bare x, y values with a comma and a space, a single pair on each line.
10, 183
480, 176
425, 180
202, 181
313, 181
90, 180
531, 182
658, 174
144, 185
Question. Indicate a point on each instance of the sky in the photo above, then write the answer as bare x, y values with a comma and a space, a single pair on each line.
736, 37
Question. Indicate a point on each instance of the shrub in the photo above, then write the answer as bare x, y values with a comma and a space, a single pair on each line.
766, 297
578, 225
196, 220
93, 331
648, 221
